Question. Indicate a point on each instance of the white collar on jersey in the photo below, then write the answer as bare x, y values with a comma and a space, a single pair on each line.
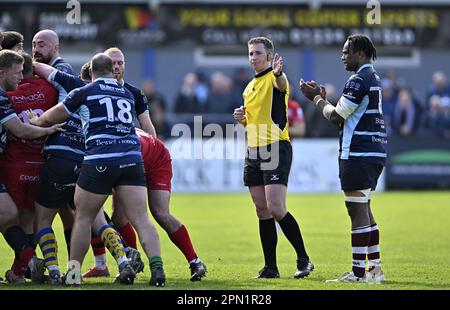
54, 60
107, 80
364, 66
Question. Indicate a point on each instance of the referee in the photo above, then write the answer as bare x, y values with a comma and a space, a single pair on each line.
269, 154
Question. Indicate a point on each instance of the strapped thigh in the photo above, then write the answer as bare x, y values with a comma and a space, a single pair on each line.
360, 199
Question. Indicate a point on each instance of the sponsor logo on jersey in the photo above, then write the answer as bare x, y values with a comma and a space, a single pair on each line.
32, 178
101, 169
37, 98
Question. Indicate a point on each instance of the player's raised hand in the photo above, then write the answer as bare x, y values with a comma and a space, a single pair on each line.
277, 64
239, 114
309, 89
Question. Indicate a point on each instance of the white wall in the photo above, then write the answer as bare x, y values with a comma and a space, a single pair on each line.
314, 167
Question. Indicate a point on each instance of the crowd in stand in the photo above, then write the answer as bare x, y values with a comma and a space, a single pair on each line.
405, 112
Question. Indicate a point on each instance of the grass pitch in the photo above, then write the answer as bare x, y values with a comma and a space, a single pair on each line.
414, 233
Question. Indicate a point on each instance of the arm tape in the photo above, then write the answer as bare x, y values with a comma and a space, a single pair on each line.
327, 109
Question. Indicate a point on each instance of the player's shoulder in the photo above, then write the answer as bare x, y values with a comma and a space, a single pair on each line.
133, 89
83, 91
63, 66
362, 80
137, 94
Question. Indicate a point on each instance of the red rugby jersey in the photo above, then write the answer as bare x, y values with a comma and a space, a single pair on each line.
152, 149
36, 94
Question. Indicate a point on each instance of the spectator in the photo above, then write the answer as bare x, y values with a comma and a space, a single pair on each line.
389, 101
405, 114
321, 128
219, 97
439, 86
240, 81
438, 116
201, 89
157, 108
187, 100
153, 96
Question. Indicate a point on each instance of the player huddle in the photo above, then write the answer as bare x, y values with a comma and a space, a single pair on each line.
92, 149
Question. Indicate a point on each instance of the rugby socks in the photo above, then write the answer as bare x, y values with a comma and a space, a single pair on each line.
98, 248
18, 241
181, 239
32, 241
128, 235
155, 263
360, 242
269, 239
47, 241
100, 262
113, 243
373, 251
24, 261
67, 234
292, 232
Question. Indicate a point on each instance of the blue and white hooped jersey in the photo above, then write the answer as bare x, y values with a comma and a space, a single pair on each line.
6, 113
68, 144
105, 108
62, 65
363, 134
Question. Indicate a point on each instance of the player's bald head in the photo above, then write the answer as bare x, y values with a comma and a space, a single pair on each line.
101, 65
45, 46
114, 50
118, 62
48, 36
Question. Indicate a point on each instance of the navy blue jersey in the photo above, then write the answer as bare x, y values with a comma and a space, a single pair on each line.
70, 143
105, 109
363, 134
68, 81
62, 65
140, 100
6, 113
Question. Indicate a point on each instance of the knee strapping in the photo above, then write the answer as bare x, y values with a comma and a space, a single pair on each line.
358, 209
359, 199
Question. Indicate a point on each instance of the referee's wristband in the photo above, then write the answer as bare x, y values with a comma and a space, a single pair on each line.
279, 74
317, 98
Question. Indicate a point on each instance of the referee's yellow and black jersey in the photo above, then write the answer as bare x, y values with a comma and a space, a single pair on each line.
266, 109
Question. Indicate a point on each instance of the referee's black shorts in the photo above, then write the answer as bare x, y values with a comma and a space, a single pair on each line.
101, 179
268, 164
57, 180
358, 174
